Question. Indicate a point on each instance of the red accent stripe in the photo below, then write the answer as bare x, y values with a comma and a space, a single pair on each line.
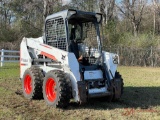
46, 46
23, 64
20, 61
48, 55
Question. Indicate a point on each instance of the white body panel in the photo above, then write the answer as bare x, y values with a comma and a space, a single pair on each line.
67, 60
97, 90
108, 60
95, 74
25, 59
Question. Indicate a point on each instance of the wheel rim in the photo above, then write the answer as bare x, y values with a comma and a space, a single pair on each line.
28, 84
51, 89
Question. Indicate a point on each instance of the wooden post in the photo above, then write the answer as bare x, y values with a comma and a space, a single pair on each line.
2, 57
151, 56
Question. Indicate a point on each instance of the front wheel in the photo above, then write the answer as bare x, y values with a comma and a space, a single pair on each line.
118, 87
56, 89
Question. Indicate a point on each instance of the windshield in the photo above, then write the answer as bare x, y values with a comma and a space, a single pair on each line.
84, 38
85, 33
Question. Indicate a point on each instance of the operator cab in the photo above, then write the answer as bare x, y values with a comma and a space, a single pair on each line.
84, 37
77, 32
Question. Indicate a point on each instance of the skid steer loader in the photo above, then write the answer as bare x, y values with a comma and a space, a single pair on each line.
68, 61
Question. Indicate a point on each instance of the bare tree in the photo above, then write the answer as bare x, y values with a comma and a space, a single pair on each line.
107, 9
51, 6
5, 13
84, 5
133, 10
47, 8
156, 10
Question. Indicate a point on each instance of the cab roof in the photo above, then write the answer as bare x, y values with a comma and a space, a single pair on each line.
79, 15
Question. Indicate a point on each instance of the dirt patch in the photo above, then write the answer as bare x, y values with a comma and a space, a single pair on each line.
137, 102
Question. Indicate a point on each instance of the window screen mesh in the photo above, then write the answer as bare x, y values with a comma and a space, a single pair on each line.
55, 33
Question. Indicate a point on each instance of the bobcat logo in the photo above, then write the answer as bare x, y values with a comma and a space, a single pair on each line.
63, 57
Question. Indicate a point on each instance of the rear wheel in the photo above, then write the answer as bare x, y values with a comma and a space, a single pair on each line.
56, 89
32, 83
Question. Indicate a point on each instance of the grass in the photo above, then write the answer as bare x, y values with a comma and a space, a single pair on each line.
141, 99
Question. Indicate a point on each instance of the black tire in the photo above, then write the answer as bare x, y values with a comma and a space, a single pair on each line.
56, 89
118, 76
32, 83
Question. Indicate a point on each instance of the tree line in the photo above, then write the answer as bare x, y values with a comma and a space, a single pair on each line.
133, 23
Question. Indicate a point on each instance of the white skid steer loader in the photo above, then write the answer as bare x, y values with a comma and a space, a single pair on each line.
68, 61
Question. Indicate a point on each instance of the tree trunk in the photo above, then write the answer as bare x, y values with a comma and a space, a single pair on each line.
102, 10
45, 9
135, 29
154, 23
154, 17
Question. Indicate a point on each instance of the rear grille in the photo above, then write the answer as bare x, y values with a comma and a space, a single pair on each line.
55, 33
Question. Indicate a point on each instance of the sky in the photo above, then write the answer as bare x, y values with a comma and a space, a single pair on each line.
65, 2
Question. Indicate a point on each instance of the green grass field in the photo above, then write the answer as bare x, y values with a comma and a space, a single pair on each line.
141, 99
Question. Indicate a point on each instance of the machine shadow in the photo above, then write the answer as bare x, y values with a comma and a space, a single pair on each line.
133, 97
